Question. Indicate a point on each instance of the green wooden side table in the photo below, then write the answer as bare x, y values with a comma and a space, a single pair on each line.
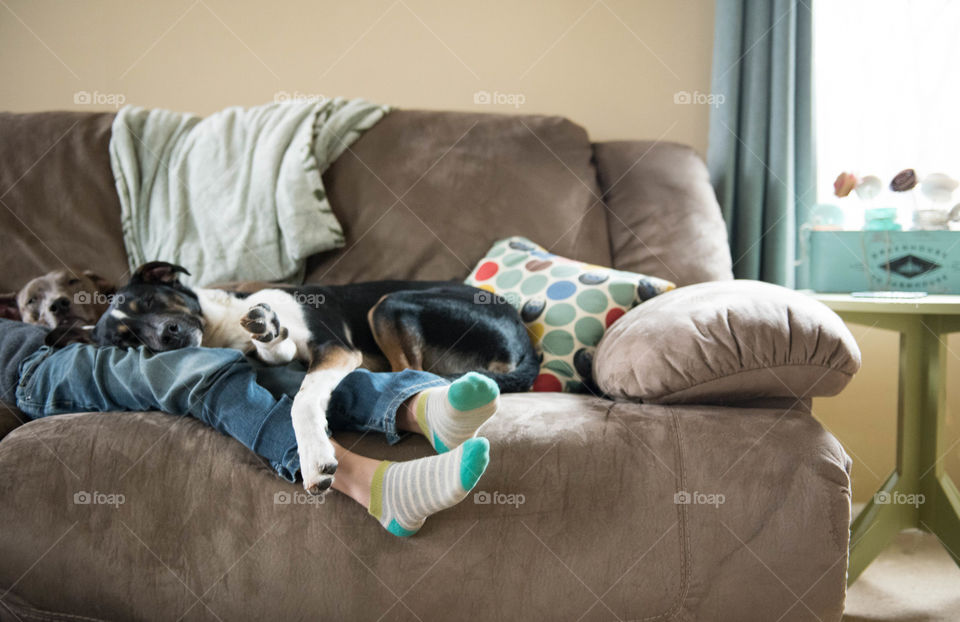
918, 493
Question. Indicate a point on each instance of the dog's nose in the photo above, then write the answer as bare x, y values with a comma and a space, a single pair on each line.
60, 306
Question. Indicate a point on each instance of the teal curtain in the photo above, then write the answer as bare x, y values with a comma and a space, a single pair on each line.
761, 150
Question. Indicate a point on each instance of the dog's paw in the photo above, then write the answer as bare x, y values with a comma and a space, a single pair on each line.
263, 324
317, 466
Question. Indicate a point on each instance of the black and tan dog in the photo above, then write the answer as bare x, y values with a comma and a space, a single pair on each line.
443, 327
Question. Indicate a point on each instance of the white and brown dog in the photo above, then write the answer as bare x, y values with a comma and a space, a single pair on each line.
64, 300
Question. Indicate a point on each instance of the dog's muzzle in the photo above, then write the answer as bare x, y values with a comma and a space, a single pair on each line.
176, 333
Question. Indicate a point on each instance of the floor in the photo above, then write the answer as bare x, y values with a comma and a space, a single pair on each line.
913, 580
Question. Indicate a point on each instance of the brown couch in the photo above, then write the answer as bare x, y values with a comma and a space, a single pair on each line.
603, 531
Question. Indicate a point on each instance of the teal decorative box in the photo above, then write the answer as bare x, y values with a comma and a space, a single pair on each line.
852, 261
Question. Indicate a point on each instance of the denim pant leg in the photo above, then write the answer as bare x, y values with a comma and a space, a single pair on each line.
17, 342
280, 379
217, 386
366, 401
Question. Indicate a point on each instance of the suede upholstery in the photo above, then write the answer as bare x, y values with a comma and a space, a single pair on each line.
604, 528
58, 205
441, 187
726, 342
663, 216
598, 482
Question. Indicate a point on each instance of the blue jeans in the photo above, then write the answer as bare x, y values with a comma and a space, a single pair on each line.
220, 387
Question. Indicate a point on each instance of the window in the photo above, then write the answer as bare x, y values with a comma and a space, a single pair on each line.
887, 92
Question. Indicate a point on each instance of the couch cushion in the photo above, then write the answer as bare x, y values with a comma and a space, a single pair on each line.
424, 194
663, 215
584, 517
727, 342
58, 205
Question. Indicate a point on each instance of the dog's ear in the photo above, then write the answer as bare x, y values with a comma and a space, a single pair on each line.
103, 285
158, 272
9, 309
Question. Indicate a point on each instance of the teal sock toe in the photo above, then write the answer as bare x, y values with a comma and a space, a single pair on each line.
439, 446
395, 528
472, 390
476, 457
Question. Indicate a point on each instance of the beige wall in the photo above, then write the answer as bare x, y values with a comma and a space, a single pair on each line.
613, 66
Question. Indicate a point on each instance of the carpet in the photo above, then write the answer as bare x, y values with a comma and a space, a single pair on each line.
913, 580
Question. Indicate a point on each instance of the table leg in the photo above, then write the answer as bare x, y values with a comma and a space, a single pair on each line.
919, 493
876, 526
896, 505
940, 510
942, 518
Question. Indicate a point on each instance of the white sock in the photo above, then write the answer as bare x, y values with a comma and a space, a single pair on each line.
404, 494
450, 415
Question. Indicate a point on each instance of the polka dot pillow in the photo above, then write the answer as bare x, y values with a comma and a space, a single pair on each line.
567, 305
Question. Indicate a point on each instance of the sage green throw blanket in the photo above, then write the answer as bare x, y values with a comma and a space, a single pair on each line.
236, 195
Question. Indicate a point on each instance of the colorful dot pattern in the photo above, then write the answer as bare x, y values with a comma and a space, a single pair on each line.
566, 305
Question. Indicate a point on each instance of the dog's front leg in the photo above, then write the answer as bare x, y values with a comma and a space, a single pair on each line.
309, 413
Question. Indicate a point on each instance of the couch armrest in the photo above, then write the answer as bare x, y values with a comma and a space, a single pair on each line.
726, 342
663, 216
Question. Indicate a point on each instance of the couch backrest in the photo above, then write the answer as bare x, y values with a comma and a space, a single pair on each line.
662, 213
425, 194
421, 195
58, 206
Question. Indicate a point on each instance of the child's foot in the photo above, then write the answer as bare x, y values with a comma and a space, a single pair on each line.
450, 415
404, 494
